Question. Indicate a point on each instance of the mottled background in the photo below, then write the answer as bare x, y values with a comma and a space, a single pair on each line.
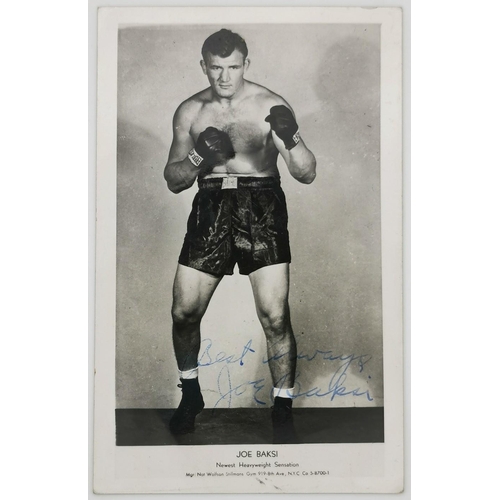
330, 75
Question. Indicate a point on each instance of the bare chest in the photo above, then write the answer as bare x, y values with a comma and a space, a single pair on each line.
245, 126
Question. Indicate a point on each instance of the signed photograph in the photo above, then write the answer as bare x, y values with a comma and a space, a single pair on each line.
248, 315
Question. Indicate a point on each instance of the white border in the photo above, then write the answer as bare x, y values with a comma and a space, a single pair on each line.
110, 461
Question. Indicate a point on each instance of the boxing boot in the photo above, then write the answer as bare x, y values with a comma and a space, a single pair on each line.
282, 418
182, 421
282, 411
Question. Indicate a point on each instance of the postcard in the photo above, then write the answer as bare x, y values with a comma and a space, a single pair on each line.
249, 319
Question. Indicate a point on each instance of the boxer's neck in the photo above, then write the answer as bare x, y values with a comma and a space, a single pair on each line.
227, 102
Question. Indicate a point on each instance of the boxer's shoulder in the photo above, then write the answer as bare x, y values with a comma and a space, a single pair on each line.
188, 110
267, 98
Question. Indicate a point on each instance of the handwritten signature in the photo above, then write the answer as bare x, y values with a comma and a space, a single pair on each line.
336, 385
206, 358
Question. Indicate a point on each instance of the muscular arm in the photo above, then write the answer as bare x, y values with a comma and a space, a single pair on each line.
300, 161
179, 172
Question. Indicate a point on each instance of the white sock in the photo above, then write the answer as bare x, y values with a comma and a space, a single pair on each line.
188, 374
283, 393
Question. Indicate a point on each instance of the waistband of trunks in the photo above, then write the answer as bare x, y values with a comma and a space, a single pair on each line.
238, 182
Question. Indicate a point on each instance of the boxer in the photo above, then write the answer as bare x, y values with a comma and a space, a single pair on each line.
228, 138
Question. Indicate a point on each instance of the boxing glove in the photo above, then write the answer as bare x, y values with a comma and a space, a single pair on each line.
212, 148
283, 123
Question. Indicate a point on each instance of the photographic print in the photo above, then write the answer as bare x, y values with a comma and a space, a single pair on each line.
248, 317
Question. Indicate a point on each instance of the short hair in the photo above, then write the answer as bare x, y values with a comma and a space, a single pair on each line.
223, 44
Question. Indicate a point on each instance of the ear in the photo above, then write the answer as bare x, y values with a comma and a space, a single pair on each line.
203, 66
246, 64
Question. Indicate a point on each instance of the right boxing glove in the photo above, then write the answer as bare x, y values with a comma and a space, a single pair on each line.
213, 148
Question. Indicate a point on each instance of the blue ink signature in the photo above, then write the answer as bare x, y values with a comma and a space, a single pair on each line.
206, 359
224, 384
336, 384
335, 388
325, 356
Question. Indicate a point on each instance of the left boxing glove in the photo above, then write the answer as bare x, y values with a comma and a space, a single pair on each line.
212, 148
283, 123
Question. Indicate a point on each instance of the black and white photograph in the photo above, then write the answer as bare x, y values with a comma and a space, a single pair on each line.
249, 333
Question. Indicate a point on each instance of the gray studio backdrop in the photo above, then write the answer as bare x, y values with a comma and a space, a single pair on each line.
330, 75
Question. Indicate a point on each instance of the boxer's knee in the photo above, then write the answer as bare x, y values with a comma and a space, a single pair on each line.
275, 322
183, 315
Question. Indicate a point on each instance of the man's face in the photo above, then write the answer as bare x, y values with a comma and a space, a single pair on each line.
225, 74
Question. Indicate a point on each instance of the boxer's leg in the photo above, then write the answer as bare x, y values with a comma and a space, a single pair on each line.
270, 286
193, 290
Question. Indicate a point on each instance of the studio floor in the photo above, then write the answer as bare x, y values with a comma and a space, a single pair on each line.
149, 427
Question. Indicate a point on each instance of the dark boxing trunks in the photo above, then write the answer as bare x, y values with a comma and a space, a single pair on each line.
244, 224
